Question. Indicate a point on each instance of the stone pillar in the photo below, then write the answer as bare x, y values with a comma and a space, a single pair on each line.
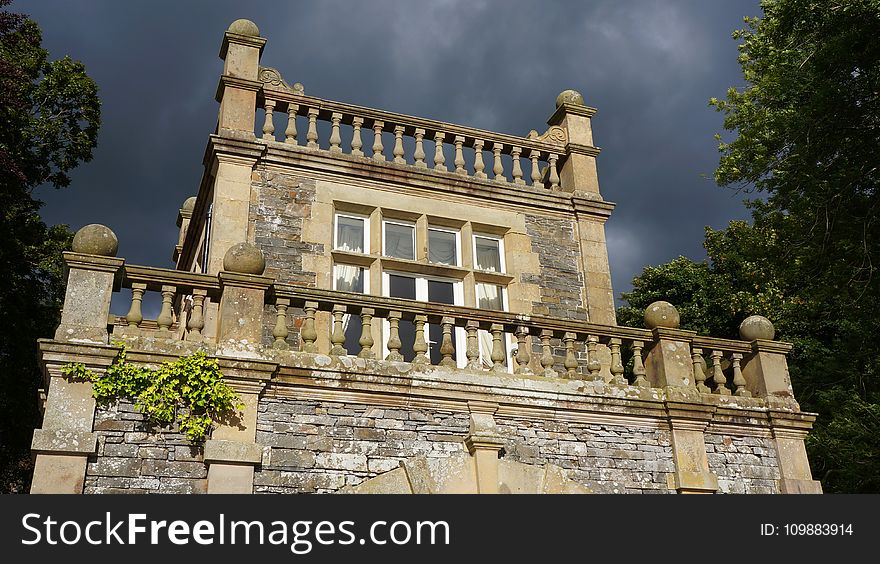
597, 294
93, 271
237, 93
66, 439
578, 175
578, 170
484, 443
789, 431
184, 215
687, 423
765, 369
668, 362
240, 325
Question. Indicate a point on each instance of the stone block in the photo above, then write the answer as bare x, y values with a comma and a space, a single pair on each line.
62, 441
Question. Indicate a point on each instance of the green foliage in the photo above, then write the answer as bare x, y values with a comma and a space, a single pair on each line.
189, 390
49, 119
807, 138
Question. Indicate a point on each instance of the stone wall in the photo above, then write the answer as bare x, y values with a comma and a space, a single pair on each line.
561, 279
132, 457
312, 446
605, 458
279, 203
743, 464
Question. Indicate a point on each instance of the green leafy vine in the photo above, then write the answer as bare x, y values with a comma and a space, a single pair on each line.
189, 390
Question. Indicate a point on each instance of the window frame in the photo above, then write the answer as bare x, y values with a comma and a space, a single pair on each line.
457, 233
366, 223
500, 241
404, 223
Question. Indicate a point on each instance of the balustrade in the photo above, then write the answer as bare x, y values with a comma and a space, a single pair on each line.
509, 153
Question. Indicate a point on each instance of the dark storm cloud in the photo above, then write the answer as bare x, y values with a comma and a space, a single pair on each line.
649, 67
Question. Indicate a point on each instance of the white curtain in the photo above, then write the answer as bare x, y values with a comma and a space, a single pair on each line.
350, 235
487, 254
441, 247
489, 297
349, 279
399, 241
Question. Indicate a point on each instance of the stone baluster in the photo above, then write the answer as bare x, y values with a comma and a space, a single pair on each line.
337, 337
268, 125
419, 153
616, 363
290, 132
420, 346
516, 170
554, 174
309, 333
394, 343
498, 166
594, 367
439, 159
459, 155
366, 340
335, 137
699, 373
571, 362
522, 351
166, 315
639, 380
280, 331
196, 321
473, 345
312, 133
378, 148
718, 375
536, 170
356, 141
739, 383
497, 355
547, 354
447, 349
398, 145
135, 316
479, 165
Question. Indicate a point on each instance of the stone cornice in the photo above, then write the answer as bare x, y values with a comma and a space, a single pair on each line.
93, 262
249, 40
777, 347
387, 175
235, 82
594, 207
237, 280
573, 109
578, 149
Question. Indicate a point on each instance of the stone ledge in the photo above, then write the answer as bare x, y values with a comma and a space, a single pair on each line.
61, 441
790, 486
232, 452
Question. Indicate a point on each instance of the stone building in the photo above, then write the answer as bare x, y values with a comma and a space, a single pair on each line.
406, 305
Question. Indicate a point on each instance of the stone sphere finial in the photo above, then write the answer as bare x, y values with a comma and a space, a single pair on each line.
244, 258
96, 239
661, 314
756, 327
189, 204
244, 27
570, 97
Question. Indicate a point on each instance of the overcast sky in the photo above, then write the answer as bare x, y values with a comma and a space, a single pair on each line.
649, 67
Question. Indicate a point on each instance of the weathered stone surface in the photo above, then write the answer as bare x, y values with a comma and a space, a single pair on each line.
661, 314
756, 327
569, 97
244, 258
232, 451
95, 239
60, 441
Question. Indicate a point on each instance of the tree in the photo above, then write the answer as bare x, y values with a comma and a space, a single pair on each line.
49, 119
807, 140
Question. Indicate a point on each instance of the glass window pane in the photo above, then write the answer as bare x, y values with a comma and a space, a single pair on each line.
350, 234
441, 247
349, 278
399, 241
489, 297
488, 255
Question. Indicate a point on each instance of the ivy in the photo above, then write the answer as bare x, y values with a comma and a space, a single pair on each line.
189, 390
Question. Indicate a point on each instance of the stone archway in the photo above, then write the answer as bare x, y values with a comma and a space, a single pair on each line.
480, 470
458, 474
